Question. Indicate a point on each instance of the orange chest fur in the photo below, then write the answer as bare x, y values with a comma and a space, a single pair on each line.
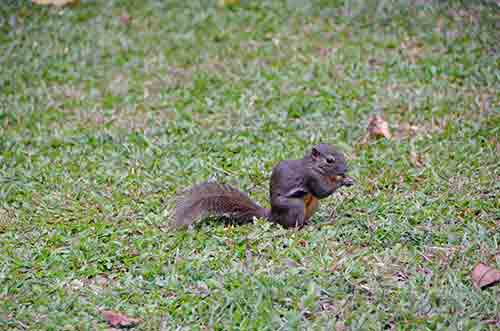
310, 205
334, 180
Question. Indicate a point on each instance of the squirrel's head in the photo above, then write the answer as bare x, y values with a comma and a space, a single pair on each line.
329, 161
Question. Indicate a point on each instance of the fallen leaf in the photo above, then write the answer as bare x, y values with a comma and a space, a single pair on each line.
57, 3
378, 127
118, 320
125, 19
484, 275
223, 3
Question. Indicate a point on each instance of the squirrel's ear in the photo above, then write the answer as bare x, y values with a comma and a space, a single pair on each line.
315, 153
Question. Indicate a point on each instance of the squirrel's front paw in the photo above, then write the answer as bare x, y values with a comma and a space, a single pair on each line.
342, 180
347, 181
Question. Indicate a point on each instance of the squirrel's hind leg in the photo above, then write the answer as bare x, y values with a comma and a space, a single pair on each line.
289, 212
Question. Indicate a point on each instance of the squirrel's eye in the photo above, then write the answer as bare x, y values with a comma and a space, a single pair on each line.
330, 159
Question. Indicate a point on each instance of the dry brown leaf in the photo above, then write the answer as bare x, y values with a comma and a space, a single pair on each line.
118, 320
57, 3
125, 19
484, 275
378, 127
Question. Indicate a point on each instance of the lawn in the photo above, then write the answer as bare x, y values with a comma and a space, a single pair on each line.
108, 108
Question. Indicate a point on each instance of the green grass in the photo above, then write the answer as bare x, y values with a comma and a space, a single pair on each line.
102, 122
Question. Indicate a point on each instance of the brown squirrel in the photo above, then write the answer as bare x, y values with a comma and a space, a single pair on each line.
296, 186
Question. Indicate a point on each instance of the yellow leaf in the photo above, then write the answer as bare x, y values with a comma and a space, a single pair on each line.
223, 3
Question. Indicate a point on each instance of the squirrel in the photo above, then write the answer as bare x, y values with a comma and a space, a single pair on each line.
295, 188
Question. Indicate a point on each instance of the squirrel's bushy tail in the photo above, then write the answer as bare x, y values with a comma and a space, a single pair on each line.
214, 199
